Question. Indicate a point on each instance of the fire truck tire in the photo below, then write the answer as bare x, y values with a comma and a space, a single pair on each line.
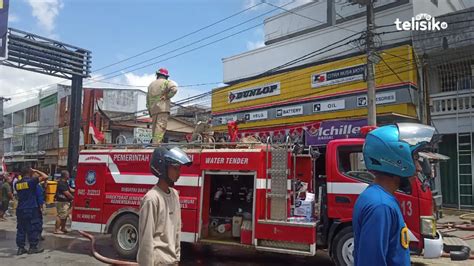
125, 236
343, 247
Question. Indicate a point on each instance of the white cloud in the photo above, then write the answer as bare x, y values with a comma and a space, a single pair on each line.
12, 18
137, 80
46, 11
251, 45
21, 84
258, 34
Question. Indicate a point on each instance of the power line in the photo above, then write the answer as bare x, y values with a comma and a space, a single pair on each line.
46, 86
180, 38
187, 45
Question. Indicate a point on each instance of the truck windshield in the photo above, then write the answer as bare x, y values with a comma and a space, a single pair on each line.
351, 163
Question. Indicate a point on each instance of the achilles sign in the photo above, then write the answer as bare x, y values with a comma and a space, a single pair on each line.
254, 93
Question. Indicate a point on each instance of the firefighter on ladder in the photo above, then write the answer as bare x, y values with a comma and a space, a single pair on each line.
158, 102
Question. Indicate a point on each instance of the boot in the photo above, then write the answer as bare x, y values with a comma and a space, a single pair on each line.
21, 251
34, 250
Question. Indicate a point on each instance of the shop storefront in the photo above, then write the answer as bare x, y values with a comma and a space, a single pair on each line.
319, 102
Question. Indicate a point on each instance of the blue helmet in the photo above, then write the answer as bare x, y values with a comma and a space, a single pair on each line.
390, 149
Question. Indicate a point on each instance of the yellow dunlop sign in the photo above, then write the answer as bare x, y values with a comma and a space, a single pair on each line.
330, 79
404, 238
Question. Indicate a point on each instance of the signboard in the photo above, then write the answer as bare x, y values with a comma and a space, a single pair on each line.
254, 93
289, 111
329, 106
380, 98
48, 113
338, 76
143, 134
225, 119
4, 4
330, 130
256, 115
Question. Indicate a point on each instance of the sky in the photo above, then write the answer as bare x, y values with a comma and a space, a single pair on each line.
114, 30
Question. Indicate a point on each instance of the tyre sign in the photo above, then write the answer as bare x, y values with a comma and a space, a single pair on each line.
254, 93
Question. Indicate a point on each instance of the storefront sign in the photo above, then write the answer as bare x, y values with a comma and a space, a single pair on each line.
329, 106
338, 76
380, 98
254, 93
256, 115
330, 130
289, 111
142, 134
224, 120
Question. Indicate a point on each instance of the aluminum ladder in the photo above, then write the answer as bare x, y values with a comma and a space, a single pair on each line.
465, 156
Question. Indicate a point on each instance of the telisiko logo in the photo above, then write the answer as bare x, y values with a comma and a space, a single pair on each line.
421, 22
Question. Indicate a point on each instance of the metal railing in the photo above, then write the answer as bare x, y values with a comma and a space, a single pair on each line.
447, 103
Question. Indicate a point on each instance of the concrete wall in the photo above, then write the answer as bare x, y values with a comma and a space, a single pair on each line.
286, 23
290, 36
258, 61
442, 7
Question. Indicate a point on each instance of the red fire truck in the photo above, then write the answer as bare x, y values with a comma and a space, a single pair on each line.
277, 198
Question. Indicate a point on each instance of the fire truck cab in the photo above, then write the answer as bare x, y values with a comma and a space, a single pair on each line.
274, 197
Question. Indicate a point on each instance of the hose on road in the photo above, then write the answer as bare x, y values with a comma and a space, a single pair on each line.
102, 258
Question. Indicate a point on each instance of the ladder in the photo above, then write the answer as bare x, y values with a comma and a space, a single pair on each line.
465, 156
278, 172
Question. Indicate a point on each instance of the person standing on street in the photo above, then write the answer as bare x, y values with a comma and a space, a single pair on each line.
159, 224
64, 198
158, 101
27, 213
380, 232
7, 195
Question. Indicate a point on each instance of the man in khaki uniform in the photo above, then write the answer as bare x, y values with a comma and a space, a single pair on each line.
158, 102
159, 223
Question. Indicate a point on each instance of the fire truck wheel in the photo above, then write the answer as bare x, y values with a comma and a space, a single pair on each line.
343, 247
125, 236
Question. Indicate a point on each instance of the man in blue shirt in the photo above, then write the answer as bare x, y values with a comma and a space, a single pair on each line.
391, 154
27, 212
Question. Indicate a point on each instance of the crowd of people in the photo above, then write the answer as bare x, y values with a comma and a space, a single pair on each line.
23, 194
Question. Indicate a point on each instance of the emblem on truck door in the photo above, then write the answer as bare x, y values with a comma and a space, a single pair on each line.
90, 178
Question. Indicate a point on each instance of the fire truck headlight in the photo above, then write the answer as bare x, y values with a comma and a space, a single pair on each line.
428, 226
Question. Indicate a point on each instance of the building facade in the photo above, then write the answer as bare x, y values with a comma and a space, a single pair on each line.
308, 81
310, 75
447, 66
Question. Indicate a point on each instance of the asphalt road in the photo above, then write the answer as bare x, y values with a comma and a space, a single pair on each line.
72, 249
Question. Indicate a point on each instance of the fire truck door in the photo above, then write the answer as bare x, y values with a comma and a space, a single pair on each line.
88, 204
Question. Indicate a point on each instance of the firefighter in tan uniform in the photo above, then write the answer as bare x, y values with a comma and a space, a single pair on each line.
158, 102
159, 223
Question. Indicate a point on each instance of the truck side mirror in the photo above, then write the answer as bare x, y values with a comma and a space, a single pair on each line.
426, 166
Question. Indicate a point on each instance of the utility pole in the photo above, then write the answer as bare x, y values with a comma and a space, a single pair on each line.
371, 58
2, 100
371, 103
74, 123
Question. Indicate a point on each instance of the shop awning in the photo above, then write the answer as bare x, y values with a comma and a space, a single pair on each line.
433, 156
